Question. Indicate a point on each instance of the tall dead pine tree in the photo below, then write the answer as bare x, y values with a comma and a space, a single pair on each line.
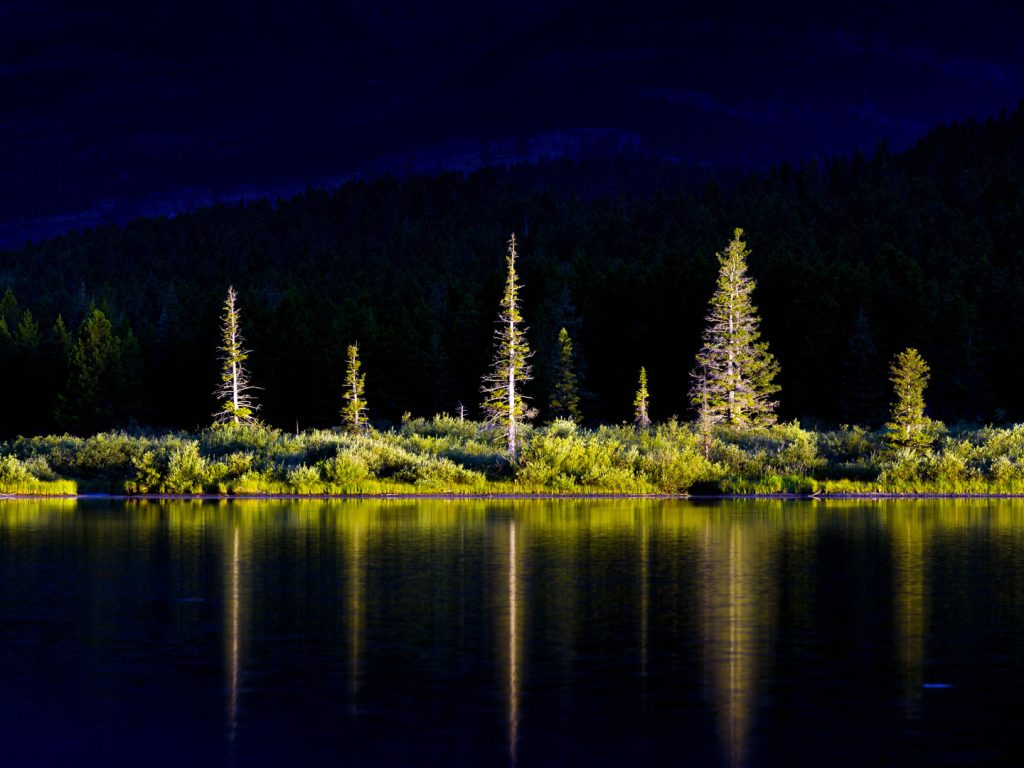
504, 405
235, 391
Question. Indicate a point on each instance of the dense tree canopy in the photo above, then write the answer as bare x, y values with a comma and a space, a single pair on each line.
929, 244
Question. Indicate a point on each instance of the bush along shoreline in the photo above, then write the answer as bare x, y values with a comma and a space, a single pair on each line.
448, 456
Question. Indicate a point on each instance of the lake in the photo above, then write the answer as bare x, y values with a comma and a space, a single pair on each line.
478, 633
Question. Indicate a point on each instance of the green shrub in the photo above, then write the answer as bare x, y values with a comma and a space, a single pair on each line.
186, 470
16, 477
345, 470
303, 479
13, 472
147, 475
253, 483
848, 445
437, 474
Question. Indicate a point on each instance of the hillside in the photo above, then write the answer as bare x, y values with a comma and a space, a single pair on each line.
928, 243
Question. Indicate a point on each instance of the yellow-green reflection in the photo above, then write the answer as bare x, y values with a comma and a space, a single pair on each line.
910, 599
356, 605
510, 591
236, 600
645, 588
739, 595
678, 571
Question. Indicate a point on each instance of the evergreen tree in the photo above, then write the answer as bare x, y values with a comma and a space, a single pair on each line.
169, 352
27, 388
707, 417
353, 414
56, 355
28, 336
735, 372
504, 405
908, 427
131, 385
565, 402
235, 391
8, 311
60, 337
436, 367
860, 396
641, 416
9, 385
556, 310
90, 400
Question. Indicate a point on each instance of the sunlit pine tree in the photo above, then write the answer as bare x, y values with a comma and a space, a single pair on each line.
238, 405
354, 412
735, 372
504, 405
565, 403
641, 402
707, 417
908, 427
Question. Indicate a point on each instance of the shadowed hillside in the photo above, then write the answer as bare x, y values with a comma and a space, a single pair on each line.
926, 247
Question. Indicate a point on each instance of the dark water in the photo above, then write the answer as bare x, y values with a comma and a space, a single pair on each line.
531, 633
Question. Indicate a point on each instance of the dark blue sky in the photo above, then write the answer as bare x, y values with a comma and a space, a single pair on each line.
119, 109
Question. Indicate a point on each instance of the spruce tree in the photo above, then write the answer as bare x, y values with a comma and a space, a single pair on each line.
641, 415
860, 398
504, 405
26, 389
9, 311
56, 355
734, 378
353, 414
908, 427
90, 400
565, 403
707, 417
238, 405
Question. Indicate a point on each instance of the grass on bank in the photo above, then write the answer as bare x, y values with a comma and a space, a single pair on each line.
445, 455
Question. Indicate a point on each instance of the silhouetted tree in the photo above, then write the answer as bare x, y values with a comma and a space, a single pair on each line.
565, 402
860, 395
95, 377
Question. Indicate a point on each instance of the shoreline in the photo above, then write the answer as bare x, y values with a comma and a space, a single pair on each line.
503, 496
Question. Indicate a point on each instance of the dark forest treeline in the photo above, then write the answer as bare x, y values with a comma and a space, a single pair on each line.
855, 258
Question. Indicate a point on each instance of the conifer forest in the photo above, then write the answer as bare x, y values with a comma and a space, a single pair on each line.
840, 326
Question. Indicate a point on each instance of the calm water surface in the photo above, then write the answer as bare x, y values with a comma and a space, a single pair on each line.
511, 633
